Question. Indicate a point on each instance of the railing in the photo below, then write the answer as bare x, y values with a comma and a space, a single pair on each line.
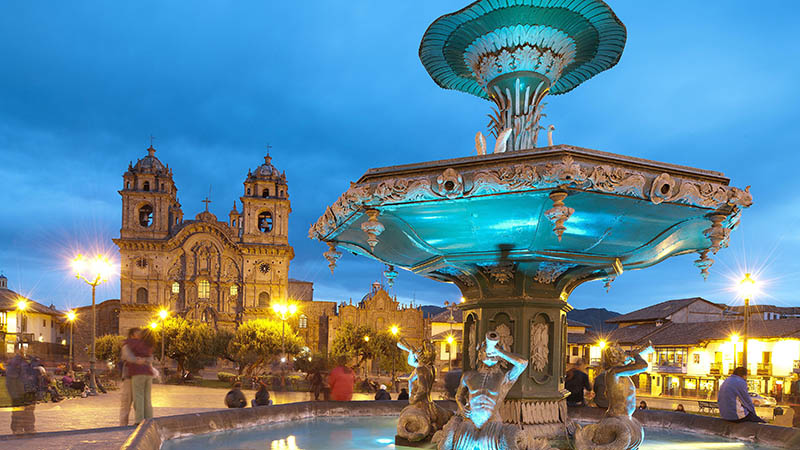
595, 361
796, 366
715, 369
671, 368
764, 369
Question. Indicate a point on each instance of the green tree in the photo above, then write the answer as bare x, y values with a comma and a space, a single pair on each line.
257, 342
189, 343
107, 348
350, 342
389, 356
309, 363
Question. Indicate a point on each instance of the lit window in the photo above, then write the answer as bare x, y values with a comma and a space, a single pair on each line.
176, 287
234, 290
303, 321
203, 290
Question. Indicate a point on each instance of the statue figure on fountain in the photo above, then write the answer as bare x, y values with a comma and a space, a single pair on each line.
618, 430
478, 425
421, 418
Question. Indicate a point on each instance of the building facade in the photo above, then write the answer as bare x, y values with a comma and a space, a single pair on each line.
25, 322
447, 335
219, 272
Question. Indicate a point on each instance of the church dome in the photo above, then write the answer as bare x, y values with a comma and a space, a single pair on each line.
149, 164
266, 171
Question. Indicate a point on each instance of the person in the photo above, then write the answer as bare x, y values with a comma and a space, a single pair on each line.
642, 404
451, 381
22, 383
141, 373
262, 396
734, 400
46, 386
680, 408
126, 397
403, 395
575, 382
599, 388
341, 381
235, 397
316, 383
382, 394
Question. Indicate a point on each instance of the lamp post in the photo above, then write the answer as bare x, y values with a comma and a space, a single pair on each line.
395, 330
734, 341
93, 272
284, 311
22, 305
71, 316
163, 314
450, 341
747, 287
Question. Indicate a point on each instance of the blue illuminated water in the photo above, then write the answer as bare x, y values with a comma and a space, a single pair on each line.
373, 433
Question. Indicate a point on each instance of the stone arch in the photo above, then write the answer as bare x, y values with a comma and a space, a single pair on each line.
263, 299
141, 296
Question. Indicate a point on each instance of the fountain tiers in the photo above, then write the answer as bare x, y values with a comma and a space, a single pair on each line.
518, 232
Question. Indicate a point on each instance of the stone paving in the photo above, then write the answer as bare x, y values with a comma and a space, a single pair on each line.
102, 411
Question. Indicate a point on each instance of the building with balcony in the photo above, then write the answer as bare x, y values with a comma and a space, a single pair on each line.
31, 324
444, 326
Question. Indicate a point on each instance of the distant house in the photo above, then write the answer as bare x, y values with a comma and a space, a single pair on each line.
30, 324
447, 323
685, 310
582, 343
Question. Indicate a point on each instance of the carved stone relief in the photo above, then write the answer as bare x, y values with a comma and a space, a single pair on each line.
548, 272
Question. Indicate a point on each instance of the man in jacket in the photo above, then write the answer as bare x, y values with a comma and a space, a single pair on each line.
734, 400
22, 383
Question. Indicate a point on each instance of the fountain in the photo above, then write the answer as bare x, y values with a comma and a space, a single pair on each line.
518, 229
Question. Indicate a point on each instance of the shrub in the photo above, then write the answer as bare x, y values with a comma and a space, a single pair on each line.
226, 376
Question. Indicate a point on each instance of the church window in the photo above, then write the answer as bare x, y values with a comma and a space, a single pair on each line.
162, 186
141, 295
233, 223
234, 290
141, 263
265, 221
146, 216
128, 185
248, 191
203, 289
263, 299
146, 186
176, 287
266, 193
303, 322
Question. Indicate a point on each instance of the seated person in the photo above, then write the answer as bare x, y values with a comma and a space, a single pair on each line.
734, 400
382, 394
262, 396
403, 395
70, 382
235, 397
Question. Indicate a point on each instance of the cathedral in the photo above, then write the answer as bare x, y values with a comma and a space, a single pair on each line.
219, 272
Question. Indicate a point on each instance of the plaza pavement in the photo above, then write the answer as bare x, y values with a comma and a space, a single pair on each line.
102, 411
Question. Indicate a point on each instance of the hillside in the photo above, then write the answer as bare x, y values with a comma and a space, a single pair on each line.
595, 317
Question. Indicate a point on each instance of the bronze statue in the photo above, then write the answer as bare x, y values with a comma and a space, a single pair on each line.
478, 424
618, 430
421, 418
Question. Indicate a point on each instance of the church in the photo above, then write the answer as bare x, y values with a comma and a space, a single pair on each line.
219, 272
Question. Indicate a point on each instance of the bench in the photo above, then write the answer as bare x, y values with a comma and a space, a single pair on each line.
705, 406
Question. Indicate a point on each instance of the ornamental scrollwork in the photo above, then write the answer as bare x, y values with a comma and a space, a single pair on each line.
540, 351
548, 272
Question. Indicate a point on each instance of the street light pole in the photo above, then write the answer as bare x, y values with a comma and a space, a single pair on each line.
93, 358
71, 318
98, 269
747, 287
284, 311
394, 330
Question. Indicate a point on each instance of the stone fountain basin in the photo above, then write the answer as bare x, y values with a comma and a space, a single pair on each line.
153, 433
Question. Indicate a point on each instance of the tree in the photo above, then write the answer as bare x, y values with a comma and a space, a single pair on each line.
257, 342
189, 343
107, 348
388, 351
307, 362
349, 342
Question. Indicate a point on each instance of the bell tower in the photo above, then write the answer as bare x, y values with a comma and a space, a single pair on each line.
265, 206
150, 208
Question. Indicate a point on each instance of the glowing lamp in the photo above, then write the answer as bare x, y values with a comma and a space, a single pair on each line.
450, 339
747, 287
734, 338
394, 330
366, 338
94, 270
71, 316
163, 314
463, 299
602, 344
22, 305
292, 309
153, 325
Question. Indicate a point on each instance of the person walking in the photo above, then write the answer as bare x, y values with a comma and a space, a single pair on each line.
382, 394
575, 382
734, 400
141, 374
316, 383
126, 396
341, 381
22, 383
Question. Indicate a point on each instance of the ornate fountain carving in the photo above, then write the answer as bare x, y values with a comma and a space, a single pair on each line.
559, 213
549, 272
478, 423
540, 349
373, 228
704, 263
717, 234
618, 430
332, 255
421, 418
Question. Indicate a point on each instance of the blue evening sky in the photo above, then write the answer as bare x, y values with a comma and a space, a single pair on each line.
337, 88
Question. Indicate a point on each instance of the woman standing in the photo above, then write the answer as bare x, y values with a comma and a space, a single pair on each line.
141, 374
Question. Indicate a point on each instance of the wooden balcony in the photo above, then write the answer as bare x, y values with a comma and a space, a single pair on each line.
715, 369
764, 370
796, 366
671, 368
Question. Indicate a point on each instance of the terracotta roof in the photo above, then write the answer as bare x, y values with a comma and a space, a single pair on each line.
9, 299
444, 316
633, 334
582, 338
755, 309
659, 311
575, 323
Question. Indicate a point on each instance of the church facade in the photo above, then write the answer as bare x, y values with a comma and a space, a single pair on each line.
219, 272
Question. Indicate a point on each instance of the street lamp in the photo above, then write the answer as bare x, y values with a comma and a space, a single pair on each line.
163, 314
395, 330
71, 316
747, 287
22, 305
93, 271
450, 341
284, 311
734, 341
